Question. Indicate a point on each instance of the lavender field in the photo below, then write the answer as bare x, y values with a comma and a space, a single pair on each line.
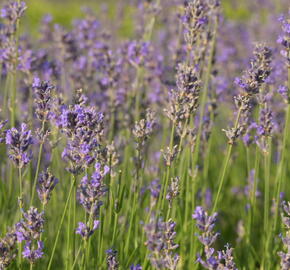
149, 134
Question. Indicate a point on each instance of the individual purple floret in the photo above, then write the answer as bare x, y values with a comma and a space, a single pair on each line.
18, 142
112, 261
42, 91
160, 242
210, 260
283, 91
85, 231
136, 267
91, 191
45, 186
155, 188
284, 39
285, 256
31, 253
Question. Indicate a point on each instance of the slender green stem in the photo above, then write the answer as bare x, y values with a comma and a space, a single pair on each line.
74, 201
37, 167
13, 98
5, 98
253, 195
76, 257
225, 165
60, 224
20, 190
281, 169
164, 190
87, 244
68, 233
204, 95
20, 206
267, 168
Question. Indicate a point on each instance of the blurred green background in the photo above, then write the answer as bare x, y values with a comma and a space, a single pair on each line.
64, 11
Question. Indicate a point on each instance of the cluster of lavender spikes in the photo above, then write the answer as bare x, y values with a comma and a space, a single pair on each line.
83, 103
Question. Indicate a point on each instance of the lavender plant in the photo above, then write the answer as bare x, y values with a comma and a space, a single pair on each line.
114, 117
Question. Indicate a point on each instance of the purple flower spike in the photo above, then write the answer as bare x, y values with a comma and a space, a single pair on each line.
209, 260
46, 184
18, 142
160, 242
112, 261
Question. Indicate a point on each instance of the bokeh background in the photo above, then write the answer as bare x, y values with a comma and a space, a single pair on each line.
65, 11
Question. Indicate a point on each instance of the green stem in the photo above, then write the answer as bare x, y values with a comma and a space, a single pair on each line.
280, 171
267, 163
225, 165
167, 170
204, 95
76, 257
20, 206
60, 224
68, 233
253, 195
37, 166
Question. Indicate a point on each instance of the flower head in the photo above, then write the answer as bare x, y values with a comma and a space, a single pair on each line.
160, 242
18, 141
46, 184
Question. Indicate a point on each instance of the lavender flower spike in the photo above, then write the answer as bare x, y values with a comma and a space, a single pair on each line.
18, 142
205, 224
112, 262
223, 259
31, 227
7, 249
160, 242
42, 90
284, 39
285, 256
46, 184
